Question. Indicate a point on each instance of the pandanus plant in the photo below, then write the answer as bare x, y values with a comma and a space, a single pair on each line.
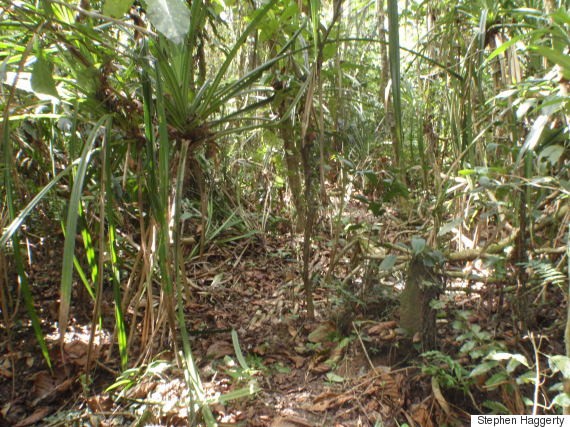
128, 105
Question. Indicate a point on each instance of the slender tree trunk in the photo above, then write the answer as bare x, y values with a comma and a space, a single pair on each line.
293, 165
311, 211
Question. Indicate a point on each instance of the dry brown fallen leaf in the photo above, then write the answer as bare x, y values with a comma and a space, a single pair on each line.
439, 396
382, 326
46, 385
421, 415
220, 349
100, 403
141, 390
291, 421
38, 415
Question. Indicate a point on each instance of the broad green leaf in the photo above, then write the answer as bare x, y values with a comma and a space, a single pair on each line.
517, 359
552, 154
528, 377
496, 380
482, 368
446, 228
170, 17
388, 262
563, 399
334, 378
42, 78
496, 407
502, 355
418, 245
116, 8
560, 364
467, 347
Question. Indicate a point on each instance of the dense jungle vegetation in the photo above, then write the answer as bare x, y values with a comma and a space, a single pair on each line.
283, 212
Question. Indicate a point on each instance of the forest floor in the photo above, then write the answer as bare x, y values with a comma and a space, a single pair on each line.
349, 368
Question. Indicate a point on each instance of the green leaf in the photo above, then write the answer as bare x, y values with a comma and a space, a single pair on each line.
551, 154
334, 378
496, 407
42, 78
482, 368
418, 245
496, 380
556, 57
250, 390
388, 262
237, 349
448, 227
71, 224
561, 17
501, 355
533, 136
502, 48
467, 347
518, 359
376, 208
563, 399
170, 17
527, 377
560, 364
329, 51
116, 8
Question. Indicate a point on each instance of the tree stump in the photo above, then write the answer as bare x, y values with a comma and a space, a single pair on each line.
417, 317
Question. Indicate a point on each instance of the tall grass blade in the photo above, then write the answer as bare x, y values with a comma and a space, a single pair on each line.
71, 225
115, 274
19, 264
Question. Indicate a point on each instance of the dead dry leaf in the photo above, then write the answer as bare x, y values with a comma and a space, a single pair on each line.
420, 414
291, 421
336, 354
439, 396
219, 349
100, 403
76, 352
381, 327
320, 406
141, 390
6, 373
43, 385
321, 368
37, 416
388, 335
